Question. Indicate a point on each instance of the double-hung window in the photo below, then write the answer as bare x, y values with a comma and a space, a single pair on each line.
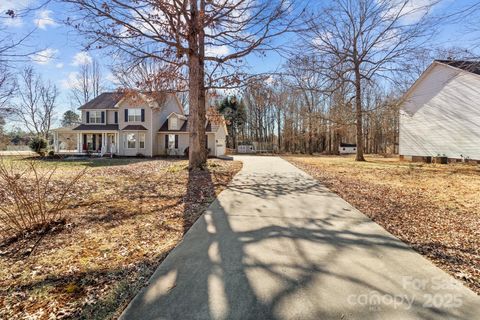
134, 115
173, 141
141, 140
131, 140
95, 117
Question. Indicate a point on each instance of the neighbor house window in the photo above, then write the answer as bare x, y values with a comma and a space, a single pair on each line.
141, 140
95, 117
131, 140
134, 115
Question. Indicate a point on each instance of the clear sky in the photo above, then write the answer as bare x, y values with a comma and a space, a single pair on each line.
62, 52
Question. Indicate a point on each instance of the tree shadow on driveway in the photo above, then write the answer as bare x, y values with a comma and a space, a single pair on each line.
286, 261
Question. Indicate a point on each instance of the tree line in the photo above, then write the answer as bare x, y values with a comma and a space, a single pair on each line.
348, 62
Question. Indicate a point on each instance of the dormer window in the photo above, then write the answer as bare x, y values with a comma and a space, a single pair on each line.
173, 123
95, 117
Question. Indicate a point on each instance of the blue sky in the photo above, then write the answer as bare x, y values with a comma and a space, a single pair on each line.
62, 52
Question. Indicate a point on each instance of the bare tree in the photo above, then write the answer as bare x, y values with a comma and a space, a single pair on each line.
206, 37
152, 75
37, 103
14, 44
8, 88
362, 41
88, 84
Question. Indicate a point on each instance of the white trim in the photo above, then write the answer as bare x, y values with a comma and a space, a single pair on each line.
144, 140
416, 83
179, 116
126, 139
96, 111
179, 104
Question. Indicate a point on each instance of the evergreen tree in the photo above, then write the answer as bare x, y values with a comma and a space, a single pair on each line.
235, 116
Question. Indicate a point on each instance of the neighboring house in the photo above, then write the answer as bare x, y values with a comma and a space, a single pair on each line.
440, 113
141, 124
347, 148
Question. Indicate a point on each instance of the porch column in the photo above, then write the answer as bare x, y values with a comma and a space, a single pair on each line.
104, 143
79, 143
117, 142
55, 141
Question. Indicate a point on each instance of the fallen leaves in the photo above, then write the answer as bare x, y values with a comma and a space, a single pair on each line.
127, 216
433, 208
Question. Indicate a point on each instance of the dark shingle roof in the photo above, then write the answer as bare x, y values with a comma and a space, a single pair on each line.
96, 127
470, 66
348, 145
135, 127
106, 100
164, 127
184, 128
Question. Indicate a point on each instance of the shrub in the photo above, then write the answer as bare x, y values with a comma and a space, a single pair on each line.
38, 145
51, 153
31, 199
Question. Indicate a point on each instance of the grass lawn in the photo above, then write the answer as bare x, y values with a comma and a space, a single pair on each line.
127, 215
432, 207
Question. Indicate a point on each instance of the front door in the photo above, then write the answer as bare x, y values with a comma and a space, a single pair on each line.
110, 143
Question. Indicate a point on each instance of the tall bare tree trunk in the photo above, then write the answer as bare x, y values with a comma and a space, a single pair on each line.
279, 131
201, 78
195, 154
358, 114
310, 135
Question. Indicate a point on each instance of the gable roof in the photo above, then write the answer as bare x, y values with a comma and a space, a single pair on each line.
109, 100
466, 65
458, 66
185, 127
422, 76
135, 127
106, 100
179, 116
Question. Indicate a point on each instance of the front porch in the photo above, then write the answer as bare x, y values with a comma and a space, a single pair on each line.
70, 141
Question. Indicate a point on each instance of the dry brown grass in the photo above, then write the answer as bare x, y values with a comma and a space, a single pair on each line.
432, 207
127, 216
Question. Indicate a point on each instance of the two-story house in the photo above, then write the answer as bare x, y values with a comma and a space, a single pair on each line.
139, 124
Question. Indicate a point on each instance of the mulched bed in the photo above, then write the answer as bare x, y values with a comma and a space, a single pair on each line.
433, 208
125, 219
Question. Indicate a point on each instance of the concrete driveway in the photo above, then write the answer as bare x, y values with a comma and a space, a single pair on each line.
17, 153
278, 245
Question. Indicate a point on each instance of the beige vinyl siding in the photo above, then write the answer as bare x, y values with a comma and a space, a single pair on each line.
110, 116
126, 151
442, 115
211, 143
182, 143
171, 105
126, 104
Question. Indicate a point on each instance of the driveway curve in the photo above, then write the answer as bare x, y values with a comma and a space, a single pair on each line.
276, 244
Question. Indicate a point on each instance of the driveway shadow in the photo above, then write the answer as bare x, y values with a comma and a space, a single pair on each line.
279, 264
